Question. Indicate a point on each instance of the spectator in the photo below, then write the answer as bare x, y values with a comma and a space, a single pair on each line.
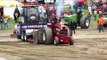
95, 14
1, 22
16, 14
100, 22
72, 26
93, 8
5, 22
79, 15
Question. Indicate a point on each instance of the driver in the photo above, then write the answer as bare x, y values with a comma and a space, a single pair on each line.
53, 19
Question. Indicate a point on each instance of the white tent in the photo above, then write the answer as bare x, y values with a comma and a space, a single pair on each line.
10, 11
9, 7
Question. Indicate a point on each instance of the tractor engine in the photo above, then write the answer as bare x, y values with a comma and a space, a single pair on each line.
62, 35
63, 30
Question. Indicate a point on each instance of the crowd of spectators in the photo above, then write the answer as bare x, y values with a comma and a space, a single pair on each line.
4, 21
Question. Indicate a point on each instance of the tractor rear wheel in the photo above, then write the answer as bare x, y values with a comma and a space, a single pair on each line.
24, 37
35, 37
40, 36
18, 37
85, 22
47, 36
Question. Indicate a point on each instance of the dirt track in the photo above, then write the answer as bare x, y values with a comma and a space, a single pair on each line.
89, 45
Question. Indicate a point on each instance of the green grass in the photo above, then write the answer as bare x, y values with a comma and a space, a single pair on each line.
93, 22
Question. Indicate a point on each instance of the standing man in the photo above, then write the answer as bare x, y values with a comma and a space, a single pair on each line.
1, 22
5, 22
79, 15
16, 14
95, 14
72, 26
100, 22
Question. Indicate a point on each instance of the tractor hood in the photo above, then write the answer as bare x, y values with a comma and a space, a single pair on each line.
60, 26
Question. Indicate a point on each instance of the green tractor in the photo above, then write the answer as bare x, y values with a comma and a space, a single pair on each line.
82, 19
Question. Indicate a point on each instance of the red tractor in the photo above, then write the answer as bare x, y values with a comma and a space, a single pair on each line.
52, 31
57, 33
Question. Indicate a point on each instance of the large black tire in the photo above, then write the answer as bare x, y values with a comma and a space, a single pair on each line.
72, 42
85, 22
18, 37
35, 37
76, 26
47, 36
24, 37
40, 37
56, 41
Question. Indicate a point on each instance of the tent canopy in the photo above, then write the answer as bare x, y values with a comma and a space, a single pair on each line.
10, 4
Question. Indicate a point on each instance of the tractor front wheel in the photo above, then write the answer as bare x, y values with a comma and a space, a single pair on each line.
56, 41
71, 42
47, 36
